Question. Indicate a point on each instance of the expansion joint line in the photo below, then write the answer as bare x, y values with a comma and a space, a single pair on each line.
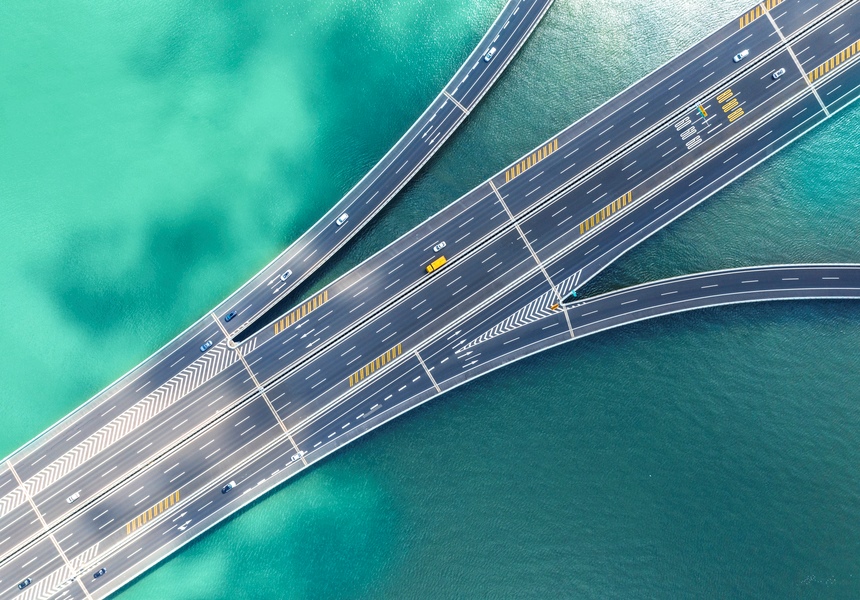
535, 256
45, 525
454, 100
796, 62
429, 374
260, 388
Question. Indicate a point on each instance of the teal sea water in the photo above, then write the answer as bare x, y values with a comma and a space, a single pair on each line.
156, 154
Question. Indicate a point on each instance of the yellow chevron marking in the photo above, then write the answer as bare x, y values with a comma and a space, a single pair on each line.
152, 512
531, 160
751, 16
605, 212
736, 115
375, 364
833, 62
301, 311
723, 96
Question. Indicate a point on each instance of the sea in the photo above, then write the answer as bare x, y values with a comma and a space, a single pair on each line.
154, 155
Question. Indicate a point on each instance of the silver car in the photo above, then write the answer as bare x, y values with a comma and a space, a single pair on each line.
778, 74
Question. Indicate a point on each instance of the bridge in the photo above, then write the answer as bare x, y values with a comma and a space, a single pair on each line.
151, 454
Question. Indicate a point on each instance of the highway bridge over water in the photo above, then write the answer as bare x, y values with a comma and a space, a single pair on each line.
150, 455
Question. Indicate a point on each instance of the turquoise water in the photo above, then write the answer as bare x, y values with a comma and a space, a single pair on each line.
157, 154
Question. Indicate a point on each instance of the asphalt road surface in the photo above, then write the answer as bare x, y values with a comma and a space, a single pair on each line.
387, 336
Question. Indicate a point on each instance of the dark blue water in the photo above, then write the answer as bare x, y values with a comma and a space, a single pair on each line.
155, 155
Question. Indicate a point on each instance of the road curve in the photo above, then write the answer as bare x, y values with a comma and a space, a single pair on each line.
372, 193
504, 244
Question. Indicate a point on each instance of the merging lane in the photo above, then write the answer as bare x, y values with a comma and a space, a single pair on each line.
387, 336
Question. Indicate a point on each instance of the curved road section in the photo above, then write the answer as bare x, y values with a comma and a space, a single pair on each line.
450, 108
151, 458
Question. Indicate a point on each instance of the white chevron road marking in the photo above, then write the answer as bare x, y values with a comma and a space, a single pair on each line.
213, 362
533, 311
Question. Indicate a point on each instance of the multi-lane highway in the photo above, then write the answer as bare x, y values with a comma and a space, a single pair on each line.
387, 335
450, 108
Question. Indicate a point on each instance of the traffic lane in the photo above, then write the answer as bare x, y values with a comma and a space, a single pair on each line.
327, 237
840, 90
169, 362
430, 309
187, 470
364, 186
493, 313
733, 293
618, 235
372, 288
826, 41
390, 263
35, 563
363, 408
525, 195
695, 65
582, 148
507, 42
793, 15
259, 475
557, 225
18, 527
135, 446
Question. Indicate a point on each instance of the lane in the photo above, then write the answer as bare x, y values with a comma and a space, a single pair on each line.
507, 34
516, 252
376, 284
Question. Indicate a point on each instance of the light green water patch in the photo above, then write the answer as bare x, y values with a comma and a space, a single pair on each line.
157, 154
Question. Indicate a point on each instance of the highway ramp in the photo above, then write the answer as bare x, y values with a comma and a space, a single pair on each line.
366, 348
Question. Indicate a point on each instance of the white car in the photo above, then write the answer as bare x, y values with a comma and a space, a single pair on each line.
439, 246
741, 55
286, 275
297, 456
73, 497
778, 74
490, 54
341, 219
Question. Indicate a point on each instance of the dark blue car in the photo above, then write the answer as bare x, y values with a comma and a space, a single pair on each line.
99, 573
230, 315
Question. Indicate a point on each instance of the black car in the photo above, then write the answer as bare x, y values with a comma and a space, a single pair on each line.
24, 584
230, 315
99, 573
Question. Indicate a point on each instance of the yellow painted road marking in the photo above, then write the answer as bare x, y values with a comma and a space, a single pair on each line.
736, 115
728, 106
375, 364
152, 512
723, 96
531, 160
771, 4
751, 16
844, 55
301, 311
605, 212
